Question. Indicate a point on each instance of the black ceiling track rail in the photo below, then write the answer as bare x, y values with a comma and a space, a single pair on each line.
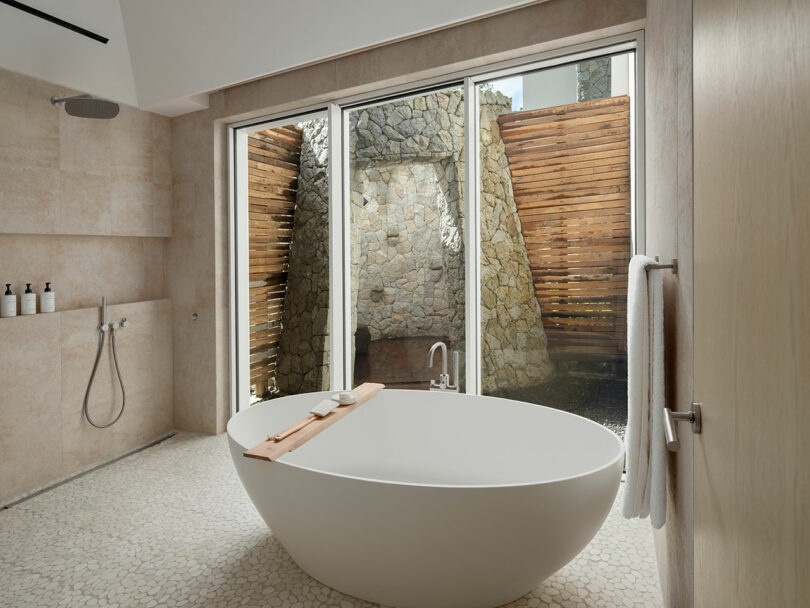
56, 20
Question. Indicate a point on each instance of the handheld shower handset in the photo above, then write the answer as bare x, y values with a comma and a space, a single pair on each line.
103, 329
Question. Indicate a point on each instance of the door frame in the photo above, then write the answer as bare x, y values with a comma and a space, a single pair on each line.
340, 355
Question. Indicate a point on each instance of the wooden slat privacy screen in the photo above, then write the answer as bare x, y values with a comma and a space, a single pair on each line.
570, 170
273, 168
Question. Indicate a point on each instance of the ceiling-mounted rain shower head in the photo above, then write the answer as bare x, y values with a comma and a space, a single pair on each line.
86, 106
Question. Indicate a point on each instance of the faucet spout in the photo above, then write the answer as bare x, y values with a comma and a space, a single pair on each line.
445, 383
433, 349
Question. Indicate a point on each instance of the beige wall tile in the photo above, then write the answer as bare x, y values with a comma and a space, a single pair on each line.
30, 444
65, 175
85, 203
131, 205
131, 144
80, 204
25, 259
161, 210
161, 150
82, 444
84, 145
29, 199
46, 363
29, 123
84, 268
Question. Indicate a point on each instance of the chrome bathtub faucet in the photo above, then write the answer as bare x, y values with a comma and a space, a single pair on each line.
445, 382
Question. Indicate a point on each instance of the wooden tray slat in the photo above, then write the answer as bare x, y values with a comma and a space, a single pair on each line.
273, 450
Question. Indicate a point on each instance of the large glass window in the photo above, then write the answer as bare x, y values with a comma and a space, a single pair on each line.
406, 176
285, 290
556, 236
494, 217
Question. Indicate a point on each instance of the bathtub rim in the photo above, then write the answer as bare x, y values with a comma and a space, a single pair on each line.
596, 470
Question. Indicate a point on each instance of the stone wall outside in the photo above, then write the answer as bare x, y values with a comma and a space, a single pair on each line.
407, 232
513, 341
407, 245
593, 79
303, 353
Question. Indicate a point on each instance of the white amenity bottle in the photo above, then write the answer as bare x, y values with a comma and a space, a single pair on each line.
9, 303
47, 302
28, 301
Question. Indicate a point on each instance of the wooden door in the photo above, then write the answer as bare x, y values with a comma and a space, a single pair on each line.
752, 302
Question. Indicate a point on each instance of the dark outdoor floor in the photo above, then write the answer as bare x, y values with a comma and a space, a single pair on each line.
398, 363
603, 400
602, 397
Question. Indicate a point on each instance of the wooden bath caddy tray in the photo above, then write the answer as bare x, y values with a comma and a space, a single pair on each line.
306, 429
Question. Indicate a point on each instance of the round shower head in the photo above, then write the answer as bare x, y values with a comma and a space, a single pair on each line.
85, 106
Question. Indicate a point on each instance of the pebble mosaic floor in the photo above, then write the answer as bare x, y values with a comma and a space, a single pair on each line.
172, 526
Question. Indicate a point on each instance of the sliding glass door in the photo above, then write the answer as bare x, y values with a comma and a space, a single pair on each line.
556, 191
281, 232
406, 213
489, 220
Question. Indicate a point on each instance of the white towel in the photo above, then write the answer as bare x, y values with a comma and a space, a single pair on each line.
645, 487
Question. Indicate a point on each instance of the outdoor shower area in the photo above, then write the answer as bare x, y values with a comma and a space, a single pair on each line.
554, 236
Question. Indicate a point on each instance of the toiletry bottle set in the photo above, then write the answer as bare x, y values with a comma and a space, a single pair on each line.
28, 301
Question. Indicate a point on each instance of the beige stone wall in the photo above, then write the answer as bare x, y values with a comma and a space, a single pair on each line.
87, 205
65, 175
46, 361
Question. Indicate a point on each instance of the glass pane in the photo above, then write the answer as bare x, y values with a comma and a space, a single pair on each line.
556, 237
407, 244
288, 226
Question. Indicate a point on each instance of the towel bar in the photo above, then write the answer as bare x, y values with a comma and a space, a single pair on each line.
671, 432
673, 265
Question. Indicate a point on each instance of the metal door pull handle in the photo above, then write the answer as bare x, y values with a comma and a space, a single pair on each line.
670, 430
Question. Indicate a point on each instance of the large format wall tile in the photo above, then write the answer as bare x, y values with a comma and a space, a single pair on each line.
30, 442
84, 268
46, 361
65, 175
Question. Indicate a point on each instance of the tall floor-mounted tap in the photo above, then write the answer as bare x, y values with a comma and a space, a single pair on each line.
445, 382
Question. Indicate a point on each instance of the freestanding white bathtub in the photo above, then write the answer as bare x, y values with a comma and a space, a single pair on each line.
426, 499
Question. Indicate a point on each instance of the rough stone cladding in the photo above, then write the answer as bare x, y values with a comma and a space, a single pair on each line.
593, 79
303, 364
407, 234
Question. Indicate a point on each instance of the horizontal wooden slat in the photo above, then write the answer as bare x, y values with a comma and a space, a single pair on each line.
273, 169
570, 170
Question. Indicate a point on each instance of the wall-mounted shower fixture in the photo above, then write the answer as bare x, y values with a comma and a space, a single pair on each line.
87, 106
103, 328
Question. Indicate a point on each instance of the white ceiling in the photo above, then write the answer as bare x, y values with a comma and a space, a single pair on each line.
165, 55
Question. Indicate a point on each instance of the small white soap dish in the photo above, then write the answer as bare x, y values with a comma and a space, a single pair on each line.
345, 397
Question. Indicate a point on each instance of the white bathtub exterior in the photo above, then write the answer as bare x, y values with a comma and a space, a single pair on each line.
432, 500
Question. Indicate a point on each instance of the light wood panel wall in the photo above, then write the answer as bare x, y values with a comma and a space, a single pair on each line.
752, 293
668, 223
570, 168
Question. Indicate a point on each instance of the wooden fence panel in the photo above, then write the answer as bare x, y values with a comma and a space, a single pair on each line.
273, 169
570, 170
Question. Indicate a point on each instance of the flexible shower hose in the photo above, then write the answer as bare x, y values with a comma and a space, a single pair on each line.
93, 375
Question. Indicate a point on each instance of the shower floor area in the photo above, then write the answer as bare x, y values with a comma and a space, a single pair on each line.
172, 526
400, 362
